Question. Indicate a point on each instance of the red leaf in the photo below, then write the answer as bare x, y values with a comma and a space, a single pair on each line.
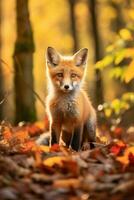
55, 148
115, 149
118, 147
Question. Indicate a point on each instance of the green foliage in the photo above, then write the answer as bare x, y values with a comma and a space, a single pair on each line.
118, 72
120, 56
113, 110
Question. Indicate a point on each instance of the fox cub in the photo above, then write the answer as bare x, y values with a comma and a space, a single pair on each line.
71, 115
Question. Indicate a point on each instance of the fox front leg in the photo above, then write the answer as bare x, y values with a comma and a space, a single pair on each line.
55, 131
77, 138
66, 137
89, 132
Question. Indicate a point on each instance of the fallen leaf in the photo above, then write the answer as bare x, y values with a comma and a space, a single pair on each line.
118, 147
67, 183
56, 160
27, 146
55, 148
125, 159
7, 133
20, 135
44, 148
131, 158
70, 166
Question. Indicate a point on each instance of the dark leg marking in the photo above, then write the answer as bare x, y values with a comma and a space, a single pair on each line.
53, 139
89, 133
55, 133
77, 138
66, 137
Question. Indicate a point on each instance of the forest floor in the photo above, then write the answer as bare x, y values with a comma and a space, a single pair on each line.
32, 172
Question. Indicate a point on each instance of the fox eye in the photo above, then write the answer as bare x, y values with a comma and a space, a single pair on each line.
73, 75
59, 75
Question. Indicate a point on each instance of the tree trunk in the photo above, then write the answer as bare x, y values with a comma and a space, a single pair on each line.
73, 24
23, 65
118, 22
97, 51
1, 71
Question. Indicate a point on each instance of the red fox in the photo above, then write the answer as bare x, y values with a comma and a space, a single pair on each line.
70, 112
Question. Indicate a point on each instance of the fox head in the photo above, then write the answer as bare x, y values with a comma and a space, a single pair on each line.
66, 72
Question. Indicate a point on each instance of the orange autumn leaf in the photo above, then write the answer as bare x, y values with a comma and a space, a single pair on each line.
56, 160
44, 148
40, 124
127, 156
121, 143
7, 134
21, 135
27, 146
38, 150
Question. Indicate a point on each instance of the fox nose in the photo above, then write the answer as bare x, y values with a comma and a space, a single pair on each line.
66, 87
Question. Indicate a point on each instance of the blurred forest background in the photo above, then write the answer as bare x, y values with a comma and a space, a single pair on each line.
28, 27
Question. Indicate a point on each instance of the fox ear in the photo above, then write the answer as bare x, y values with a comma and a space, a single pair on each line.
53, 56
80, 57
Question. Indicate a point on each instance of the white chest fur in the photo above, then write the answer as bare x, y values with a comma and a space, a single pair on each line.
65, 108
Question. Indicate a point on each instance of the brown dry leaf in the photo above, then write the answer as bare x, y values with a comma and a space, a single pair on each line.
125, 186
98, 155
67, 183
71, 166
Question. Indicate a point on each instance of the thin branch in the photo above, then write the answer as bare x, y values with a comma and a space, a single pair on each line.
5, 97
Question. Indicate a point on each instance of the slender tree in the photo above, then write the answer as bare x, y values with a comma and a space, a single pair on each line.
97, 50
23, 65
72, 4
118, 22
1, 72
